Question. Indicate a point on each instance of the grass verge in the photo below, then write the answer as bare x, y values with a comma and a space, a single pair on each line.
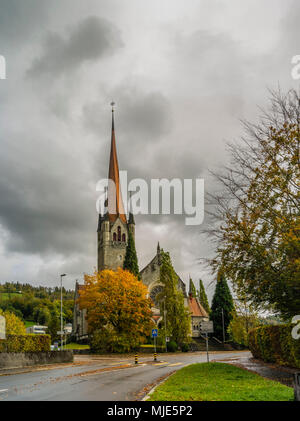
219, 382
73, 345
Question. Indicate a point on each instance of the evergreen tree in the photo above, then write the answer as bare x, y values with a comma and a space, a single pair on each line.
131, 261
203, 297
222, 300
178, 319
192, 289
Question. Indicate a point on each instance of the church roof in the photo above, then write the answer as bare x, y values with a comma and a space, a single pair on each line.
196, 308
115, 202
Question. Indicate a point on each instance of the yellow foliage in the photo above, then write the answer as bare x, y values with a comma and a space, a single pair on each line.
14, 325
116, 303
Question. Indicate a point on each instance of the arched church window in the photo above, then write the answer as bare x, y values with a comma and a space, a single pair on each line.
119, 233
123, 238
114, 236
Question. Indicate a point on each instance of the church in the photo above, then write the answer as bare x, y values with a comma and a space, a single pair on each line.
112, 236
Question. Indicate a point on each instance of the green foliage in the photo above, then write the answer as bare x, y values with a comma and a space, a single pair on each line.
258, 210
275, 344
222, 300
192, 288
219, 382
185, 347
14, 325
131, 260
172, 346
105, 341
26, 343
239, 327
203, 297
38, 305
54, 325
178, 317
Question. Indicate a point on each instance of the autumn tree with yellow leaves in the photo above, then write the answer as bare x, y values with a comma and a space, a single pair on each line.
13, 324
256, 213
118, 310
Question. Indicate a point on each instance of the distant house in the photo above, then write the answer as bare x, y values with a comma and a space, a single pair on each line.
37, 329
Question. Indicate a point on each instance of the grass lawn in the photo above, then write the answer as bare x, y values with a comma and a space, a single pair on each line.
219, 382
7, 295
28, 324
72, 345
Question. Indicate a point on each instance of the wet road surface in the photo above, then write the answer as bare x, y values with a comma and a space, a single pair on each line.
97, 378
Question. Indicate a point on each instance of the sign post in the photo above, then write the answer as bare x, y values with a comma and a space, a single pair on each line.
206, 327
154, 335
2, 328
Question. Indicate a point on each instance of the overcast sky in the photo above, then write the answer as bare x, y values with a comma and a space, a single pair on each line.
182, 74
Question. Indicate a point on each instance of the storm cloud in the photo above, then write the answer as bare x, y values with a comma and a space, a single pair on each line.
89, 40
182, 76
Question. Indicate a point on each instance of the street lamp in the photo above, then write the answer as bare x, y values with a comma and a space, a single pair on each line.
165, 319
61, 317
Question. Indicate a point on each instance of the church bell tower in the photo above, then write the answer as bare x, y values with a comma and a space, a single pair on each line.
113, 227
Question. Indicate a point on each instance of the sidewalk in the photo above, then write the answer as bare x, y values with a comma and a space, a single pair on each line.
270, 371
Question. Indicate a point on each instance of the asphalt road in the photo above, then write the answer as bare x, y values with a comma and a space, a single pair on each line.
97, 378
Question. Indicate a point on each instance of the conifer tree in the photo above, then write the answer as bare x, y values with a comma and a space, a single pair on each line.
203, 297
192, 288
222, 300
178, 319
131, 260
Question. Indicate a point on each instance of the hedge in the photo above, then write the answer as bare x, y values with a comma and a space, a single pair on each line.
275, 344
26, 343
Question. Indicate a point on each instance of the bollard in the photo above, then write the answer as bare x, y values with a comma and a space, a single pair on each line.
155, 356
297, 386
136, 359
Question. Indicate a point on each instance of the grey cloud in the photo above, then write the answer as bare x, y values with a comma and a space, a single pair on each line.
91, 39
41, 213
145, 116
19, 20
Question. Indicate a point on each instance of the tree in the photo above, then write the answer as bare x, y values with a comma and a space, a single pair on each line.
54, 324
256, 217
118, 310
14, 325
203, 297
192, 288
131, 260
178, 319
222, 307
243, 320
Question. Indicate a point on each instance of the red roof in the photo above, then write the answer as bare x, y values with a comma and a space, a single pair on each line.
196, 308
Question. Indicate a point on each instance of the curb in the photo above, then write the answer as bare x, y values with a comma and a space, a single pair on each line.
158, 384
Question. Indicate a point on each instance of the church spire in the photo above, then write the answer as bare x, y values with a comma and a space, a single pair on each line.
115, 202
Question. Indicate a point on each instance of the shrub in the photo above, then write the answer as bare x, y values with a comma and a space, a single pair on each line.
102, 341
26, 343
185, 347
275, 344
172, 346
14, 325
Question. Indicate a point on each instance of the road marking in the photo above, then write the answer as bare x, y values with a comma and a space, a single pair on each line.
173, 365
3, 390
161, 363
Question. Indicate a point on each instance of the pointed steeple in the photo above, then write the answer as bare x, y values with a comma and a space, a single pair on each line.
115, 202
